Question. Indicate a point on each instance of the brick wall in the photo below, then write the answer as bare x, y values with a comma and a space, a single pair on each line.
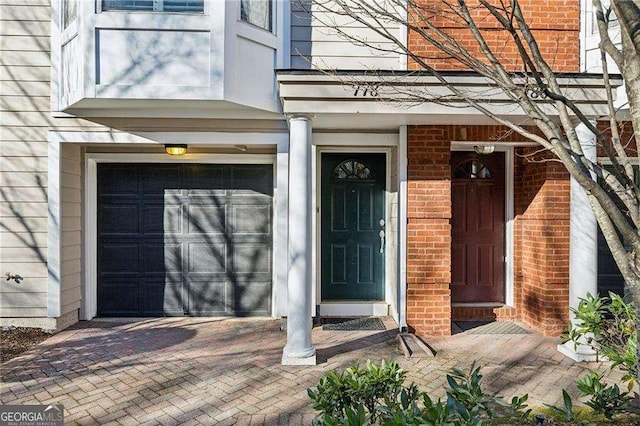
541, 231
626, 134
429, 230
542, 244
554, 23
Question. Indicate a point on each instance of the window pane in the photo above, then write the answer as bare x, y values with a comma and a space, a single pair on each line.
192, 6
352, 169
127, 5
256, 12
472, 169
70, 12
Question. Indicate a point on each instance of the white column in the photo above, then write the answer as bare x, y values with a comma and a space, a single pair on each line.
282, 227
402, 228
583, 247
299, 349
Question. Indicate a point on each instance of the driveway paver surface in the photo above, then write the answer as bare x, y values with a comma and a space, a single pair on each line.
192, 371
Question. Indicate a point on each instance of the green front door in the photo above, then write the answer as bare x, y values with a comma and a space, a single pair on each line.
353, 226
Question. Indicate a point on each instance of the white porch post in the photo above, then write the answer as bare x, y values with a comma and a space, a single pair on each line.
299, 349
583, 247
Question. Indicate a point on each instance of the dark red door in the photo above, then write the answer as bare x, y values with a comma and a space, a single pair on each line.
477, 246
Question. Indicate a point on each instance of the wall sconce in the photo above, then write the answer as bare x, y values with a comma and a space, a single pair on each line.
484, 149
175, 149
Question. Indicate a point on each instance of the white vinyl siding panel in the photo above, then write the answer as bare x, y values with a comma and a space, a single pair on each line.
26, 120
22, 28
315, 44
71, 248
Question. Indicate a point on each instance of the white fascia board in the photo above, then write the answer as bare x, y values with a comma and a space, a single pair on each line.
425, 108
355, 139
408, 78
223, 138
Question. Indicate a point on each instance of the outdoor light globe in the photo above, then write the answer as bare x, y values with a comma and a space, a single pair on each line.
176, 149
484, 149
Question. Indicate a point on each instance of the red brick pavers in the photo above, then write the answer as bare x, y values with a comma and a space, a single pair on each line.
210, 371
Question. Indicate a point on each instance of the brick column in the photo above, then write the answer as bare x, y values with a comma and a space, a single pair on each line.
429, 230
542, 245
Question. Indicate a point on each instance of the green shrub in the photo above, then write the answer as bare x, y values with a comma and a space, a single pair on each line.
376, 395
608, 324
605, 399
566, 412
357, 393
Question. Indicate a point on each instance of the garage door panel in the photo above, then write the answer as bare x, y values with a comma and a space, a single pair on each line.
163, 297
162, 179
207, 219
207, 258
252, 258
120, 258
208, 297
203, 235
251, 219
118, 180
252, 298
118, 219
249, 180
118, 298
162, 258
206, 180
160, 219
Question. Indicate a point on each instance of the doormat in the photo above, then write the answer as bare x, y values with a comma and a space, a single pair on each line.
352, 324
494, 327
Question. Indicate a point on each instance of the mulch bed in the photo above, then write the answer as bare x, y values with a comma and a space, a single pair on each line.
16, 340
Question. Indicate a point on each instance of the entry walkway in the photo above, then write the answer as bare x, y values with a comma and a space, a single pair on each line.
208, 371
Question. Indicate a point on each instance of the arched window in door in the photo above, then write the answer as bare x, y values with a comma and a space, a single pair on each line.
472, 169
352, 169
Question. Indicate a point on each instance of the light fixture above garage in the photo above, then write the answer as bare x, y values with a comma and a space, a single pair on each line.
484, 149
175, 149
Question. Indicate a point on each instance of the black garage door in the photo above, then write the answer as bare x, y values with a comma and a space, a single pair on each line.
184, 239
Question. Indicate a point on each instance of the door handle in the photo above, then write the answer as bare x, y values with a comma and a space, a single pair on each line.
381, 235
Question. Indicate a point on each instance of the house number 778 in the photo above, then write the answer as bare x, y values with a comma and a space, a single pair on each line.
366, 90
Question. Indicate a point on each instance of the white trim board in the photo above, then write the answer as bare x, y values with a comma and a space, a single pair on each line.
354, 139
363, 309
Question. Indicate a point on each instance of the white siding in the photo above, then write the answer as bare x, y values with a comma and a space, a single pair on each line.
23, 170
26, 120
71, 240
315, 44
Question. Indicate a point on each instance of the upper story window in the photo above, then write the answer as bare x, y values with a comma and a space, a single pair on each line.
190, 6
609, 17
69, 12
257, 12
